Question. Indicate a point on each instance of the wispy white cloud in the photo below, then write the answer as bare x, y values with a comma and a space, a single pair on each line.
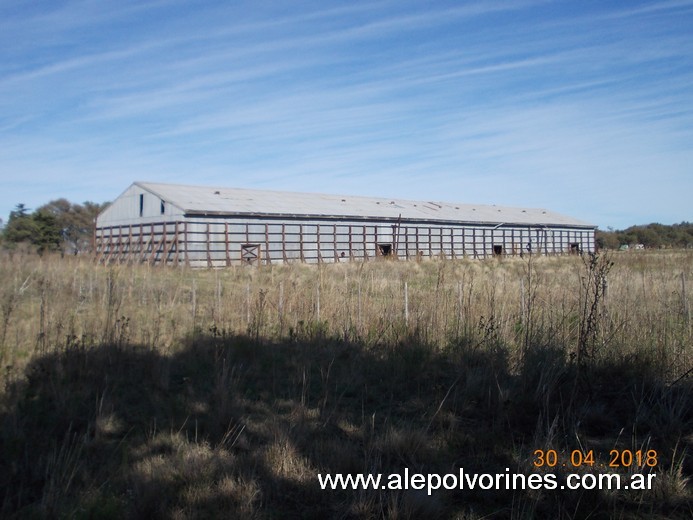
532, 103
649, 8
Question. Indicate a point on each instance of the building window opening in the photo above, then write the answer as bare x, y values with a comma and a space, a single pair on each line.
141, 204
163, 207
497, 250
384, 249
250, 254
574, 248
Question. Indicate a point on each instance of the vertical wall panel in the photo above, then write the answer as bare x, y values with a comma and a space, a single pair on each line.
218, 242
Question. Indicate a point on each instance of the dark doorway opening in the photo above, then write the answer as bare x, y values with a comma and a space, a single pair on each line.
384, 249
497, 250
575, 248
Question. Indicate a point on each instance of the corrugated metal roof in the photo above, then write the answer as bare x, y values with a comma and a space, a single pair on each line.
206, 200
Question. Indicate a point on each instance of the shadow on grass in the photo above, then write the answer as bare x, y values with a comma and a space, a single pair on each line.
232, 427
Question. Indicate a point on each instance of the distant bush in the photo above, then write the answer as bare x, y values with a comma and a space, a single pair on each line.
57, 226
651, 236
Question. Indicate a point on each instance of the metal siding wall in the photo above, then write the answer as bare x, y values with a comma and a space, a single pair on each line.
218, 242
125, 210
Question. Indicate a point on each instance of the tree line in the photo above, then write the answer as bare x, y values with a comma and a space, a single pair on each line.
650, 236
67, 227
56, 226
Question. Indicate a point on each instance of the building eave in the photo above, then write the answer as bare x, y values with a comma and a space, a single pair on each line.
377, 218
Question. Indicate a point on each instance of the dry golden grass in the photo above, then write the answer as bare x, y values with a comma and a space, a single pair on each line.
132, 391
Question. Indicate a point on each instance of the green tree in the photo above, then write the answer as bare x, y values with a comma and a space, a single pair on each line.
651, 235
47, 235
40, 229
606, 239
20, 226
76, 222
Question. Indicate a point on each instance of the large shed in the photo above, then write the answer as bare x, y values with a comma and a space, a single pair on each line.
204, 226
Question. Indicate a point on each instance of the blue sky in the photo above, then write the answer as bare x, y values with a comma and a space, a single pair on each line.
583, 107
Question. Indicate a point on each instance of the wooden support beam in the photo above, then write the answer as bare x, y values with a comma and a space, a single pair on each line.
395, 231
106, 245
152, 244
110, 245
406, 242
394, 240
268, 260
351, 250
95, 246
300, 243
140, 242
546, 242
130, 247
334, 242
101, 245
121, 245
176, 257
116, 245
209, 247
365, 242
319, 254
155, 251
227, 253
164, 259
105, 248
186, 243
145, 247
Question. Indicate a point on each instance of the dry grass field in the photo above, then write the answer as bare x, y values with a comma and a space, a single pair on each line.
140, 392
